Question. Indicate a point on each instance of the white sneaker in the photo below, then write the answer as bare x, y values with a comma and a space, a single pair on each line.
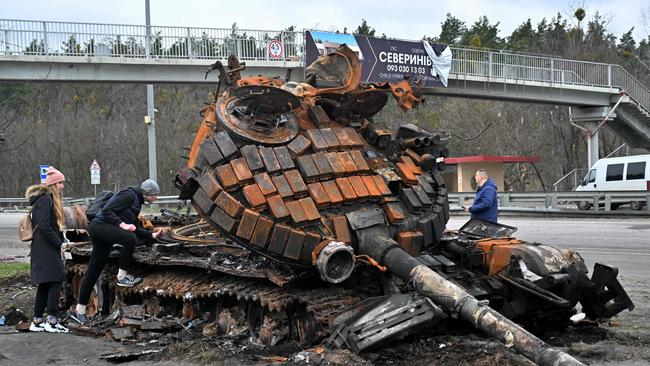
61, 328
55, 328
36, 327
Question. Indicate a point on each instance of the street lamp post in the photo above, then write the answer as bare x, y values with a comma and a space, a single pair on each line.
151, 126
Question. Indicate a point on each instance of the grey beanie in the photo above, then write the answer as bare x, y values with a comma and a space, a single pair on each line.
150, 188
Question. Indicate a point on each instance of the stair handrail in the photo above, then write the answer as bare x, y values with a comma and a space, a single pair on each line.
574, 171
642, 99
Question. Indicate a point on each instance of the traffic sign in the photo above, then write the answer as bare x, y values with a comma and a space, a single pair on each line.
43, 171
275, 49
95, 172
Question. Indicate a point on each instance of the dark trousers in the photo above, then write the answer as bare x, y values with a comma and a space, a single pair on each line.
47, 293
103, 237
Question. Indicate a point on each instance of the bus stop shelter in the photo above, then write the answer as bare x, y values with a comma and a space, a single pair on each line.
466, 166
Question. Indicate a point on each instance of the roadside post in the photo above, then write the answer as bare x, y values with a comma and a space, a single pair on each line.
95, 174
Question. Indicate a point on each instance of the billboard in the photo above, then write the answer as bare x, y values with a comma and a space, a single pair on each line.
387, 59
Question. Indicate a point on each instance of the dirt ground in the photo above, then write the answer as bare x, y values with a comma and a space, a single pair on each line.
624, 340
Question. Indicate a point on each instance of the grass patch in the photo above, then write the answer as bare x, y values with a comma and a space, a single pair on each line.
13, 269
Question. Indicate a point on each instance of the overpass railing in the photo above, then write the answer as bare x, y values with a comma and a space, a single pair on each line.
514, 67
30, 37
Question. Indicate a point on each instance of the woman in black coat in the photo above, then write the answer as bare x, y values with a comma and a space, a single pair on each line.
46, 264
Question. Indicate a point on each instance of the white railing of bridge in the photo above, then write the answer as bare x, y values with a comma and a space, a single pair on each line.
503, 66
29, 37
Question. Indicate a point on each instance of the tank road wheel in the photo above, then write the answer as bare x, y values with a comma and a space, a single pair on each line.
637, 205
584, 205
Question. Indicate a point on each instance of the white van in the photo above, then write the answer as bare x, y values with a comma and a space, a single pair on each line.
628, 173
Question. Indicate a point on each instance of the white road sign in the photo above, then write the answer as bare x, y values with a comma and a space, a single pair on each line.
95, 173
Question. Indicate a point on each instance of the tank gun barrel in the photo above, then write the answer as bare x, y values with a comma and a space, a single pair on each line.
374, 241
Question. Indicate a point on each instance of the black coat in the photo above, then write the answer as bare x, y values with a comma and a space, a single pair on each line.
46, 263
124, 207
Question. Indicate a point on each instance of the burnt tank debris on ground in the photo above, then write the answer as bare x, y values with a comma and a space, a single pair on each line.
319, 228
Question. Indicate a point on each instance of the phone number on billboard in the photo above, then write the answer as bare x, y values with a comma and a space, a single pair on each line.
406, 68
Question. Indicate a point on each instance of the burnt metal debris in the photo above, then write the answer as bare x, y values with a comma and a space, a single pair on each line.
318, 225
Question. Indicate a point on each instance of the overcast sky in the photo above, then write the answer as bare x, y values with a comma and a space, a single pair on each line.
410, 19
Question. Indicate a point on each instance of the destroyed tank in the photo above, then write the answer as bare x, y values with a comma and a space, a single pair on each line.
318, 225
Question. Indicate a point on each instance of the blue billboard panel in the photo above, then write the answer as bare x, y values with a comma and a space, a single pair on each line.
387, 59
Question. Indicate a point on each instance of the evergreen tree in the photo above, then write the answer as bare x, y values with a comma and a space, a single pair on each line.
522, 38
364, 29
483, 34
627, 45
71, 47
452, 30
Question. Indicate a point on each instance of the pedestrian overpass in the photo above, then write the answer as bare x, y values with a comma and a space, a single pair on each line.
89, 52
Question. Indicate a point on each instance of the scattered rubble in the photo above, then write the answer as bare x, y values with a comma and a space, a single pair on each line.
14, 316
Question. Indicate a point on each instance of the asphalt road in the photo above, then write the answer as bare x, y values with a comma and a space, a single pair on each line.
623, 243
10, 246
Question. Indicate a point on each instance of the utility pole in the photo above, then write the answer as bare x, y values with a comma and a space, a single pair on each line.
151, 129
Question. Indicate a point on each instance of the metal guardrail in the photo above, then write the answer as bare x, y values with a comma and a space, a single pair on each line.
22, 202
556, 200
544, 200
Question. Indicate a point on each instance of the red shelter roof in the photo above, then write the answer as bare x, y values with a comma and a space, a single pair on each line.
493, 159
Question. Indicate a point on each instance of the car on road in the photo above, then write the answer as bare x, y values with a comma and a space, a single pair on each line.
628, 173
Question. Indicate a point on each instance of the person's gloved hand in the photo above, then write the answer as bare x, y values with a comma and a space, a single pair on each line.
127, 227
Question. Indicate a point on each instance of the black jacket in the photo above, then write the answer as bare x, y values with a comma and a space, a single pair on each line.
46, 264
125, 207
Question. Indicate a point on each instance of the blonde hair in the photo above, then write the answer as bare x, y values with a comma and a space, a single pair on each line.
58, 205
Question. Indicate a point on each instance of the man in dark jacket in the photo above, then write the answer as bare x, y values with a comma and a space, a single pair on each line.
485, 205
116, 223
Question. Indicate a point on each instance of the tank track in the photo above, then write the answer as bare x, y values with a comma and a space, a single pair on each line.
190, 293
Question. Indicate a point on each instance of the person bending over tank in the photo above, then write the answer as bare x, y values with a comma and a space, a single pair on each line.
116, 223
485, 206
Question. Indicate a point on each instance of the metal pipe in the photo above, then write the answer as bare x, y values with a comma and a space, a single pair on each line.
414, 142
335, 262
375, 242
